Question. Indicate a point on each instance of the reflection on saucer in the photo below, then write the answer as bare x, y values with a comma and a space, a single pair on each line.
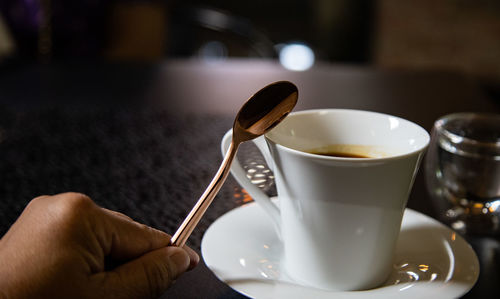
242, 249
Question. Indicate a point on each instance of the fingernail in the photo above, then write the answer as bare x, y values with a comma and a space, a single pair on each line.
181, 261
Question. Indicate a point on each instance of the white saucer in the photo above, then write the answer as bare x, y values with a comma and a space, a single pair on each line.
431, 260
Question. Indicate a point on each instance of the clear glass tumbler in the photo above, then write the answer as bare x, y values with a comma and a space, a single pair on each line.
463, 171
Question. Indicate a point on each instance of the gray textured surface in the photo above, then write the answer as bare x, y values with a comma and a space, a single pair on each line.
147, 163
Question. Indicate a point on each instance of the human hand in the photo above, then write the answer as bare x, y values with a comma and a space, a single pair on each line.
61, 247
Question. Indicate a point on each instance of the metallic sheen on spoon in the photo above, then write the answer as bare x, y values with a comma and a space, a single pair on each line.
262, 112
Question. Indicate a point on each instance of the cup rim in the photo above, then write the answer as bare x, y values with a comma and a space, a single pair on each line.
439, 126
358, 160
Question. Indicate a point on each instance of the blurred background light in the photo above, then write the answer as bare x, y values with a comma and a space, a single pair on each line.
213, 51
296, 56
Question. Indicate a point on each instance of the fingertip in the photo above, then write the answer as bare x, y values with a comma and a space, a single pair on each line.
149, 275
159, 237
180, 259
193, 257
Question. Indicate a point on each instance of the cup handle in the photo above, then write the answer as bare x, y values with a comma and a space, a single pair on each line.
255, 192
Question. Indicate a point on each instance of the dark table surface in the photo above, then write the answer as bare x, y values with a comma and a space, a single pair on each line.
143, 139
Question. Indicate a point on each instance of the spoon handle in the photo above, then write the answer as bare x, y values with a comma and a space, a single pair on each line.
184, 231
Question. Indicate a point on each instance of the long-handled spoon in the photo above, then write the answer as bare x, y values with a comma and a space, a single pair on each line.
264, 110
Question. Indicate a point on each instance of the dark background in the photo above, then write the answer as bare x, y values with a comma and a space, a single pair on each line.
459, 35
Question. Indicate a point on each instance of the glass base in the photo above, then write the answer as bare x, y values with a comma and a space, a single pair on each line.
473, 217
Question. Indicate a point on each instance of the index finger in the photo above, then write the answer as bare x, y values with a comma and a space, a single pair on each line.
123, 238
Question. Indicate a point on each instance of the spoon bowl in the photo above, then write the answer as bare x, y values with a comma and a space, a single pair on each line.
264, 110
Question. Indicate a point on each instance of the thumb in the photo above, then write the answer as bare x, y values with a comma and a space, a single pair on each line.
148, 276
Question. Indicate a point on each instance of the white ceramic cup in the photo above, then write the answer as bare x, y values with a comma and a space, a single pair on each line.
339, 218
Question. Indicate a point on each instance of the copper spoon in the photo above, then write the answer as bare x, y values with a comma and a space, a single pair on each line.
264, 110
